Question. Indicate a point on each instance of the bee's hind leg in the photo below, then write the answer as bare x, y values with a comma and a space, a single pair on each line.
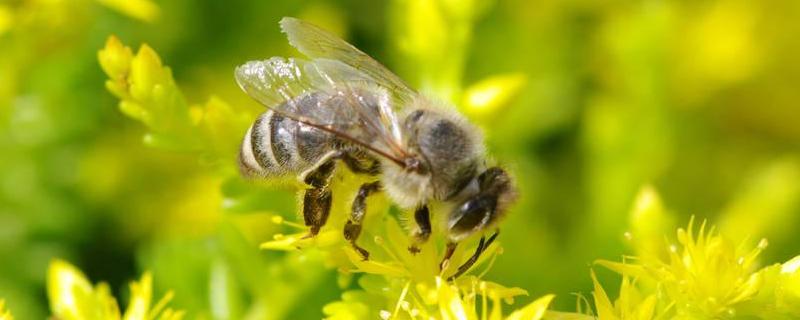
482, 245
423, 218
317, 198
353, 227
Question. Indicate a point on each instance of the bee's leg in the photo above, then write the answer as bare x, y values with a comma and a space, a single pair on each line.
482, 245
353, 227
317, 199
423, 218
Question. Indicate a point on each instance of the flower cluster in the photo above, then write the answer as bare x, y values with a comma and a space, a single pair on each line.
394, 283
72, 297
148, 93
704, 276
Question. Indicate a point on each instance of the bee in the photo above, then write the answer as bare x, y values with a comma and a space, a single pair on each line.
340, 106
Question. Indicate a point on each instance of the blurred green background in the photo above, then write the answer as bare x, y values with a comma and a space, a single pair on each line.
696, 98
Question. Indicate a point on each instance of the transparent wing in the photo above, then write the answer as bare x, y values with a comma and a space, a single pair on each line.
320, 44
328, 95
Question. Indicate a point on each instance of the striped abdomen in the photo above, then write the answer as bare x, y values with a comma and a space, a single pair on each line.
275, 145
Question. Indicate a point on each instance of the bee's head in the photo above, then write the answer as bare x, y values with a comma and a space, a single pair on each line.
485, 208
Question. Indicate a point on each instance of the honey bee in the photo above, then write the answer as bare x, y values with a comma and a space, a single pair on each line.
341, 106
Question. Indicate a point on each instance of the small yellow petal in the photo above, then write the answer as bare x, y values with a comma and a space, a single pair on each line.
141, 296
115, 58
749, 288
492, 290
605, 309
106, 302
791, 266
119, 88
375, 267
628, 269
450, 304
146, 72
646, 310
533, 311
134, 110
790, 274
300, 240
283, 242
68, 290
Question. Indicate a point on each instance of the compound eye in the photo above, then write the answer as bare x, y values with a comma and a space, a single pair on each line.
471, 216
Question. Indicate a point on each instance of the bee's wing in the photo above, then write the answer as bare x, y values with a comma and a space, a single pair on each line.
328, 95
316, 43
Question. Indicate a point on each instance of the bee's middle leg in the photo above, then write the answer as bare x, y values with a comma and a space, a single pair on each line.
317, 198
352, 229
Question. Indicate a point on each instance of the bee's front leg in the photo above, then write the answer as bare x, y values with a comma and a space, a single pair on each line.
353, 227
423, 218
482, 245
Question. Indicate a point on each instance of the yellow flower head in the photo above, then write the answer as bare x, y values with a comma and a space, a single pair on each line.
708, 276
488, 95
704, 276
396, 284
631, 304
72, 297
148, 93
144, 85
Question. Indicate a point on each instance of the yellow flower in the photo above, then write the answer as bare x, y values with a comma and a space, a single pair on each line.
144, 10
145, 87
492, 93
711, 275
72, 297
631, 304
4, 314
115, 60
6, 19
705, 276
533, 311
395, 283
148, 93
